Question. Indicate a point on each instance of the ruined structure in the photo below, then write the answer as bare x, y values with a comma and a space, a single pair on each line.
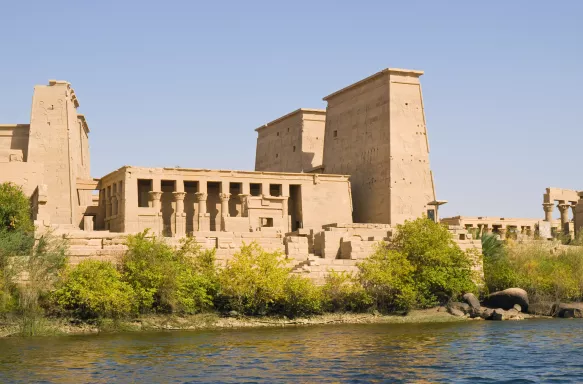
554, 199
328, 186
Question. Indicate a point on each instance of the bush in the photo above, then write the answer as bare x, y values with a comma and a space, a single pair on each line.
253, 282
301, 297
94, 289
168, 280
14, 208
387, 276
342, 292
14, 243
441, 270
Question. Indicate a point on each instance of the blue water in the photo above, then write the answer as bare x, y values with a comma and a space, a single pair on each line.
470, 352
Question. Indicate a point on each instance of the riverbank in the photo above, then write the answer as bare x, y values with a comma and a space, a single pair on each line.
210, 321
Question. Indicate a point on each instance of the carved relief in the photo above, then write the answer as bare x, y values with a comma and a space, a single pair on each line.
54, 114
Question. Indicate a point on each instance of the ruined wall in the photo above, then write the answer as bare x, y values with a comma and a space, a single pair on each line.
325, 203
375, 132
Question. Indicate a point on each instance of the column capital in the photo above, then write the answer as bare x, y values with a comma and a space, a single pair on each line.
178, 196
225, 196
563, 206
243, 196
201, 196
155, 195
548, 207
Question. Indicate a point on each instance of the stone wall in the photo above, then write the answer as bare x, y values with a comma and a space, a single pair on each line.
375, 132
292, 143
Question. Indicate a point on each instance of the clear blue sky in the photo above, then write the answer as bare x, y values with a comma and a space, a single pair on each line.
168, 83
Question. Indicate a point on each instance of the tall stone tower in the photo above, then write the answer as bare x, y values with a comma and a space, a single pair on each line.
375, 132
58, 139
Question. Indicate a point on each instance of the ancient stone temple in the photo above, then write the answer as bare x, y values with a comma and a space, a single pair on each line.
327, 187
374, 131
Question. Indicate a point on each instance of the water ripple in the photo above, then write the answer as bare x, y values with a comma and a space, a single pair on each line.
474, 352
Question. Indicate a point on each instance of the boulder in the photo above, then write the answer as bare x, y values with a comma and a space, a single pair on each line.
463, 307
498, 314
472, 301
568, 310
486, 313
456, 312
507, 298
517, 307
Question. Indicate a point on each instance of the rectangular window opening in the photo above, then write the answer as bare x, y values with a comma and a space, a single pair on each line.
144, 187
275, 190
255, 189
191, 186
267, 222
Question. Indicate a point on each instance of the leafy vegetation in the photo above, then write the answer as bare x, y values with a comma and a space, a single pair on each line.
167, 280
94, 289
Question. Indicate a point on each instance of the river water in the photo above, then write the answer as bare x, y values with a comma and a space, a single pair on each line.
476, 352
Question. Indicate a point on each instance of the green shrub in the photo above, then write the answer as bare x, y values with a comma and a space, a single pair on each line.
14, 208
440, 269
253, 282
342, 292
14, 243
387, 276
94, 289
168, 280
301, 297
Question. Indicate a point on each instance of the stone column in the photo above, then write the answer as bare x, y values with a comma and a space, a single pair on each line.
224, 208
204, 222
548, 208
155, 197
573, 206
201, 198
180, 216
564, 210
502, 233
487, 229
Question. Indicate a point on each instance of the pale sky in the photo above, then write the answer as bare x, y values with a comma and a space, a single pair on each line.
166, 83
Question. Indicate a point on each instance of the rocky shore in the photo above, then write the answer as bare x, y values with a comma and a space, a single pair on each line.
511, 304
